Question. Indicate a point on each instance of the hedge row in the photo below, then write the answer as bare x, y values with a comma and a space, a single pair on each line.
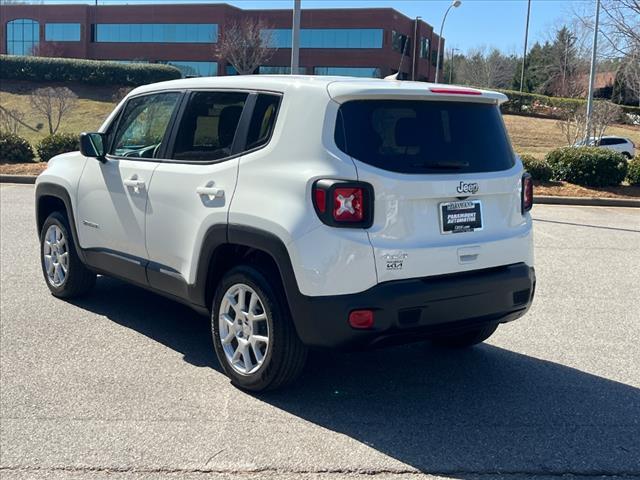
553, 107
587, 166
92, 72
15, 149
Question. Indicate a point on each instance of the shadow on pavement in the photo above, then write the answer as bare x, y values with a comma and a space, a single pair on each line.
481, 410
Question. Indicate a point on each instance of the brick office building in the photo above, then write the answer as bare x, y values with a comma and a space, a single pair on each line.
363, 42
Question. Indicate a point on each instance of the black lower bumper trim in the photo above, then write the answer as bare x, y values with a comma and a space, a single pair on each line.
413, 309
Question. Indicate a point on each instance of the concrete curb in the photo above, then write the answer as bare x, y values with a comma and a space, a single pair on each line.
549, 200
587, 201
17, 179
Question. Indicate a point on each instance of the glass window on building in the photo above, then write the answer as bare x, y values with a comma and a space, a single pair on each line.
23, 36
62, 32
434, 58
370, 72
156, 32
194, 69
400, 42
424, 47
326, 37
279, 70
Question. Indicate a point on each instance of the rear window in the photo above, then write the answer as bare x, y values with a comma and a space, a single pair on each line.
409, 136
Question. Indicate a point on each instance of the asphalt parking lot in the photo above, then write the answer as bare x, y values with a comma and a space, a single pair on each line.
125, 384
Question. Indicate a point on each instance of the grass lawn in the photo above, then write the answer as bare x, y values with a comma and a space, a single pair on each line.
534, 136
537, 136
94, 104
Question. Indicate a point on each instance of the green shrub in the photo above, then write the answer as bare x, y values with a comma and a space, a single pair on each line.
539, 169
541, 105
588, 166
633, 175
92, 72
14, 149
55, 144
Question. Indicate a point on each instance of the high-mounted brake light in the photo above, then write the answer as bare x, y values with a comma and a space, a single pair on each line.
343, 204
527, 193
455, 91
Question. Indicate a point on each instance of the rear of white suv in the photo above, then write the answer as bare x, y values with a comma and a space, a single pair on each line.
444, 204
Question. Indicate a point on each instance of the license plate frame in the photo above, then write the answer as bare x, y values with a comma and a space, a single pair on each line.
472, 222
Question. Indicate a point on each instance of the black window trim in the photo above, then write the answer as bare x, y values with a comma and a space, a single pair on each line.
240, 138
163, 145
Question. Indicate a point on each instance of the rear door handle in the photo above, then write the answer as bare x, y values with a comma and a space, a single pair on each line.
210, 191
134, 182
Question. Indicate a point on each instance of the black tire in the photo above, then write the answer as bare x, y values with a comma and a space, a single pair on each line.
78, 279
285, 355
627, 155
466, 339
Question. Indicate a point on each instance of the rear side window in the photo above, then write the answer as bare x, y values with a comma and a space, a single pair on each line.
208, 126
612, 141
409, 136
263, 120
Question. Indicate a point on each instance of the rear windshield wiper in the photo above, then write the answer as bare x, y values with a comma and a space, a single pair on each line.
442, 165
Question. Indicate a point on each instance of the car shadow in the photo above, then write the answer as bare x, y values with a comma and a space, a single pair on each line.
457, 413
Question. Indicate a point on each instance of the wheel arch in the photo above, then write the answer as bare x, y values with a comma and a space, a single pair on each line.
51, 197
222, 250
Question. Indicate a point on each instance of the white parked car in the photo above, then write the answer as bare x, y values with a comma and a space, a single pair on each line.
618, 144
299, 212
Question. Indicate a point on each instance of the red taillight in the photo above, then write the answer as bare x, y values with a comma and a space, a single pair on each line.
455, 91
343, 204
320, 199
347, 204
527, 192
361, 319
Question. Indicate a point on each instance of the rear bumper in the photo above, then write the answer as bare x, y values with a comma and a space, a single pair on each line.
407, 310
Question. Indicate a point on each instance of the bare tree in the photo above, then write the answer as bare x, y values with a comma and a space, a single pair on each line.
566, 68
486, 68
604, 114
10, 120
54, 104
631, 72
15, 117
246, 45
573, 124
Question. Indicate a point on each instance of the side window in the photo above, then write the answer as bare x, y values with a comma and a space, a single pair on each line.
263, 120
208, 126
143, 125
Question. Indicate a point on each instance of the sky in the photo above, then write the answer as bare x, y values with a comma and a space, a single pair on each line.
490, 23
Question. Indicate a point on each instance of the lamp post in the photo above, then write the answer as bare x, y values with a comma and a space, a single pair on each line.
295, 38
524, 53
415, 47
453, 54
454, 4
592, 74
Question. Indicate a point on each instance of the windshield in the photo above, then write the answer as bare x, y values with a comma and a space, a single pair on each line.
411, 136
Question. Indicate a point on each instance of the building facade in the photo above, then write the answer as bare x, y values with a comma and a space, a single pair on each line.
361, 42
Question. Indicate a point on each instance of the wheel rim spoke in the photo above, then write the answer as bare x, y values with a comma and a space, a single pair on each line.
244, 343
55, 255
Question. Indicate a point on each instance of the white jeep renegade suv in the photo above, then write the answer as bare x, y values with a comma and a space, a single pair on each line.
299, 212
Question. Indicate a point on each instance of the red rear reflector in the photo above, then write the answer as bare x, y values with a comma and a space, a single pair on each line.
320, 198
347, 205
455, 91
527, 192
361, 319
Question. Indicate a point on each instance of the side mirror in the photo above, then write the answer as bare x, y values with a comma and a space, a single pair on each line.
92, 145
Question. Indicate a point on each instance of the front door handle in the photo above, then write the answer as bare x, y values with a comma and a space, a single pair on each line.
134, 182
210, 191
